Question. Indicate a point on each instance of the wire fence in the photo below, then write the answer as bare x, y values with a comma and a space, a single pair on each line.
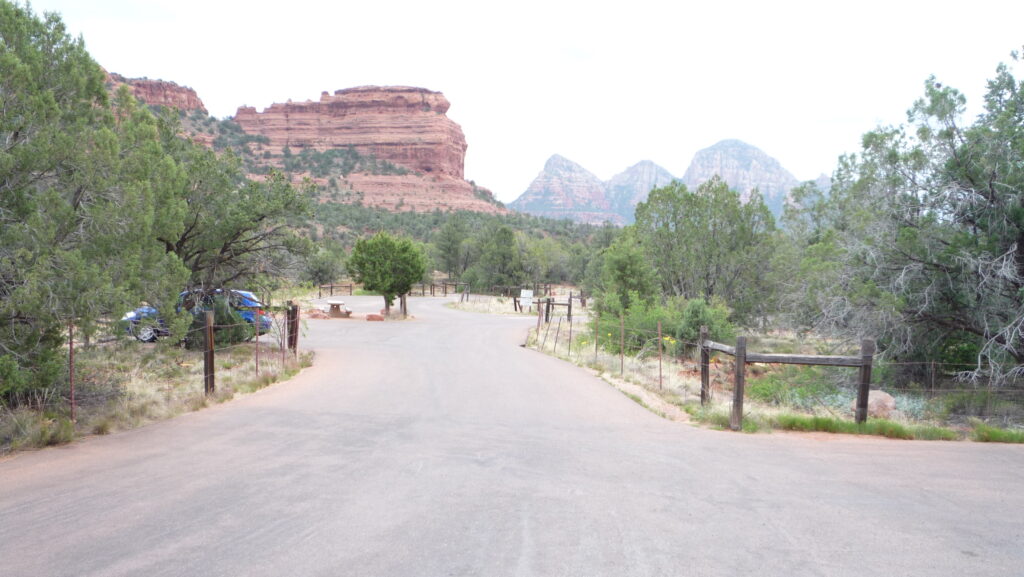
665, 365
114, 380
661, 364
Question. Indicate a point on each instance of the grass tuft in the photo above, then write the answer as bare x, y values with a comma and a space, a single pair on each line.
988, 434
877, 427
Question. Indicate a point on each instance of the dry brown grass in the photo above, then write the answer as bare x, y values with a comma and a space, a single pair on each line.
125, 384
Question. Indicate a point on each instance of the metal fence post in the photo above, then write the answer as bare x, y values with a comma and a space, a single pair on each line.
622, 345
661, 382
705, 368
71, 367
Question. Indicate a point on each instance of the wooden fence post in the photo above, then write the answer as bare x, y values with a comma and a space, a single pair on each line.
293, 327
209, 385
597, 334
705, 369
540, 319
736, 418
867, 351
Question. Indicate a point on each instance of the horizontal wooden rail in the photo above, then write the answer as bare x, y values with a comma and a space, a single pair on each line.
863, 362
786, 359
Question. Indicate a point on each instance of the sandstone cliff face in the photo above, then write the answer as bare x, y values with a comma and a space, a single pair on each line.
744, 167
402, 125
565, 189
631, 187
160, 93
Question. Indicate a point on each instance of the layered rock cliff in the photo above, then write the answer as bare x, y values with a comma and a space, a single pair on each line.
416, 153
159, 93
403, 125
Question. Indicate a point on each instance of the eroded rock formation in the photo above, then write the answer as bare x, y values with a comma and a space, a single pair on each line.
160, 93
565, 189
402, 125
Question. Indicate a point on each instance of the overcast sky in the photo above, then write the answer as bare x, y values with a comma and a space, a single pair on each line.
605, 84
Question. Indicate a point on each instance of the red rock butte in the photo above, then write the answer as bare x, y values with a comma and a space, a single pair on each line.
402, 125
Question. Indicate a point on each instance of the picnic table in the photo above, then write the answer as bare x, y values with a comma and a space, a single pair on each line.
338, 309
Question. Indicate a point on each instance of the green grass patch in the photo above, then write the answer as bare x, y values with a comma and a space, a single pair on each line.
988, 434
877, 427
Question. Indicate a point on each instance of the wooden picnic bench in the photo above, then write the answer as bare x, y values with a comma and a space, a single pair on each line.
338, 309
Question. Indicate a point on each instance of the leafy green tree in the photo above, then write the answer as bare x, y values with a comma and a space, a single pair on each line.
627, 276
708, 243
500, 262
84, 188
930, 224
235, 229
325, 265
388, 265
448, 242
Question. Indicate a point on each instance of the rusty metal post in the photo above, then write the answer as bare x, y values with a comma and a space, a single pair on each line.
661, 382
558, 331
71, 367
622, 345
705, 368
258, 324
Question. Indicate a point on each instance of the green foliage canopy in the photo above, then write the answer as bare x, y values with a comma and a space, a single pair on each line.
709, 243
926, 230
388, 265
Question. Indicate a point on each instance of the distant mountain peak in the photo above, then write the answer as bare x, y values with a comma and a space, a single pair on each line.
564, 189
744, 167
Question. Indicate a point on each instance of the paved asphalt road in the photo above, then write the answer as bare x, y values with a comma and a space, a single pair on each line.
439, 447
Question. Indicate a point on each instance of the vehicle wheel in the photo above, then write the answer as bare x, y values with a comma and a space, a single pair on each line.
146, 334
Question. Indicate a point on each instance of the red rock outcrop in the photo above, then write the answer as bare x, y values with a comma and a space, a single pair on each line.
402, 125
160, 93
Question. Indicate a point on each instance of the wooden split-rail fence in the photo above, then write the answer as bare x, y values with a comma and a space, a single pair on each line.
742, 356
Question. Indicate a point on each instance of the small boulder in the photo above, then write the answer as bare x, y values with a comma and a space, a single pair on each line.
881, 405
373, 317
